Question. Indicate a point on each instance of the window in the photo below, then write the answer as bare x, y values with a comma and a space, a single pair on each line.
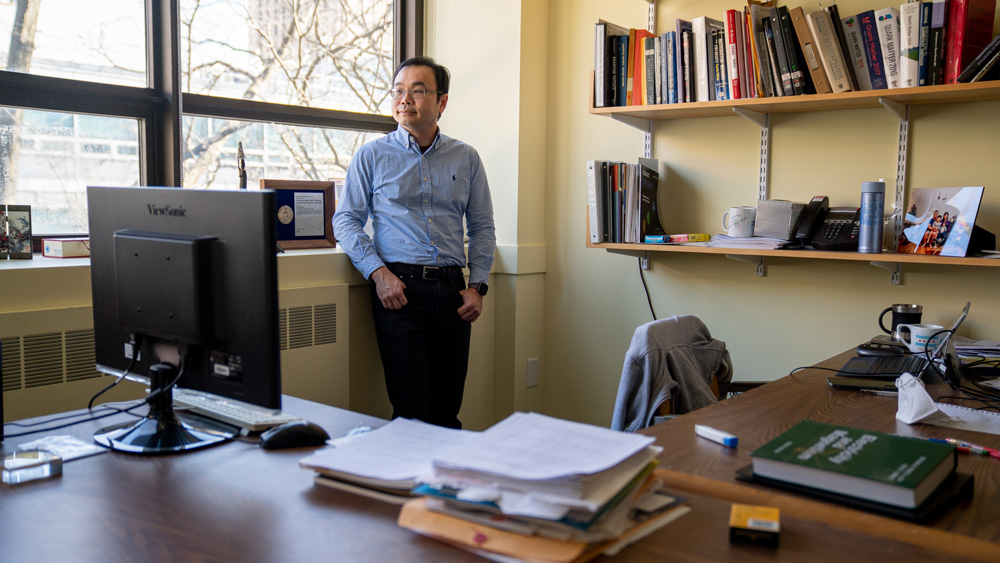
89, 96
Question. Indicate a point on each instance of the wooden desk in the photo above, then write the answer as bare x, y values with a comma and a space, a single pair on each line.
237, 502
762, 413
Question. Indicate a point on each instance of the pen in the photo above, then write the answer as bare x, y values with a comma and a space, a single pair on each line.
968, 448
880, 392
714, 435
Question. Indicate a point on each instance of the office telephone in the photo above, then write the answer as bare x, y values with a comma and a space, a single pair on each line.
824, 228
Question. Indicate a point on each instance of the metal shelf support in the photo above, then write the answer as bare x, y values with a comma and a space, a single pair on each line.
895, 268
764, 121
642, 255
758, 262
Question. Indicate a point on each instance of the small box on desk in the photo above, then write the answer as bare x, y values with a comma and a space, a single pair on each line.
66, 247
754, 524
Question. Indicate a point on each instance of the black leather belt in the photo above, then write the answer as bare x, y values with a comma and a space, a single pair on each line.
428, 273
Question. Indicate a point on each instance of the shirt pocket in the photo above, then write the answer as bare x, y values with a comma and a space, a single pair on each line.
454, 184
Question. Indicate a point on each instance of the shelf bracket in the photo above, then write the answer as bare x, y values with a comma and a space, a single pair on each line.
764, 121
895, 107
894, 269
757, 261
642, 255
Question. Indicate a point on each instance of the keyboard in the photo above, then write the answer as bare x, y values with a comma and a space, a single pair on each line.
244, 415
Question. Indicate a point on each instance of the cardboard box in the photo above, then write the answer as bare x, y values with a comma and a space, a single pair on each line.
760, 525
66, 247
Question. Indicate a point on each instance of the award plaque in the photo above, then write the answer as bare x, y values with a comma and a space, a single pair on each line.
304, 212
19, 232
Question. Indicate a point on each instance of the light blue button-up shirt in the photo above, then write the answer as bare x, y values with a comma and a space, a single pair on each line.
417, 203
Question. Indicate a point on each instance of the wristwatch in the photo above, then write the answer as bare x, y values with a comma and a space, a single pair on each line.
482, 288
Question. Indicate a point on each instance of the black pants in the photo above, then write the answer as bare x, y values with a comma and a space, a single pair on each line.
425, 350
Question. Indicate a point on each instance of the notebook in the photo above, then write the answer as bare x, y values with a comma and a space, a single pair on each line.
894, 366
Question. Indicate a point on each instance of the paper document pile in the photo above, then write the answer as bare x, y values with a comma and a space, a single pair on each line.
726, 241
535, 485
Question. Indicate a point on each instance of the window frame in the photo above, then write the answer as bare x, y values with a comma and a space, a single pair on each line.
161, 106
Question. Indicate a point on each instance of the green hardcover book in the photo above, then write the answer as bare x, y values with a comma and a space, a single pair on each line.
889, 469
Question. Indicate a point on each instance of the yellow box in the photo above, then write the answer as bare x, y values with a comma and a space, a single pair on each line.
754, 524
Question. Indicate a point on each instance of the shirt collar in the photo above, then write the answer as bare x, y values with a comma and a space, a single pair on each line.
403, 138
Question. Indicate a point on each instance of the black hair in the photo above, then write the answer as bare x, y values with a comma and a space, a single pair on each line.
441, 74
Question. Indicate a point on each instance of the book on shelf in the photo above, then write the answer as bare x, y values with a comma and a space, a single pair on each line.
682, 64
735, 54
638, 65
873, 49
810, 54
796, 65
969, 30
649, 70
649, 213
597, 171
702, 28
762, 60
690, 74
884, 468
680, 238
776, 50
856, 55
887, 24
670, 66
845, 49
621, 67
984, 61
923, 47
605, 38
721, 83
824, 35
748, 55
909, 43
936, 42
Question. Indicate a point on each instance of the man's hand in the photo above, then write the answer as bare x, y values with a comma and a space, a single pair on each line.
472, 305
389, 288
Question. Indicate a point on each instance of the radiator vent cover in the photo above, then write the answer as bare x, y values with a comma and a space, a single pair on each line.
37, 360
310, 325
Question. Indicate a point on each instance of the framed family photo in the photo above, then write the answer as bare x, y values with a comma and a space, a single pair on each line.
939, 221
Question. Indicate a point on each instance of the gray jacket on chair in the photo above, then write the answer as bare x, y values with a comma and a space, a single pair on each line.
670, 358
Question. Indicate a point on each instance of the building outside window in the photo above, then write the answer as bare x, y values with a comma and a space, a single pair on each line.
80, 107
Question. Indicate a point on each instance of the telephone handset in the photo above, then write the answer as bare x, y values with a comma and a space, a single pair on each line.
824, 228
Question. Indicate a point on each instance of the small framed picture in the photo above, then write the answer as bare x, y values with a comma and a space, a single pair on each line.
19, 231
304, 212
4, 239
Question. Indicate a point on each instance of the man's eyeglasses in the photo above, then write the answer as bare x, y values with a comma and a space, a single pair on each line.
415, 93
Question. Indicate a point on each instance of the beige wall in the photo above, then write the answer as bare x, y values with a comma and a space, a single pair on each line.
520, 96
803, 310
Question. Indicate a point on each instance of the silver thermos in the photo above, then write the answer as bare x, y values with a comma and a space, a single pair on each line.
872, 206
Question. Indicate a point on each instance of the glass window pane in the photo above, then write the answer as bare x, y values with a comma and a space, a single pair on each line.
316, 53
48, 159
272, 151
97, 42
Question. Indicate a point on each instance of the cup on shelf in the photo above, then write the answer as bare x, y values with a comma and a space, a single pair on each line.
739, 221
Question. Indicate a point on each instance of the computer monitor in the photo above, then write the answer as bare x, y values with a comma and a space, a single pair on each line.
185, 291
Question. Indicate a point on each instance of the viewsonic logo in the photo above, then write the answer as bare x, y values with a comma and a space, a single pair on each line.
166, 210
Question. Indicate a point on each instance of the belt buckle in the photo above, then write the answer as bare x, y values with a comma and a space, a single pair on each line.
434, 270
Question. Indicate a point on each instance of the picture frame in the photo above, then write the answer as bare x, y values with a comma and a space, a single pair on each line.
304, 212
939, 221
19, 232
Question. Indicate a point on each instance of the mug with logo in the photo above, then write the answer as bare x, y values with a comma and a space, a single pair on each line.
902, 313
920, 338
738, 221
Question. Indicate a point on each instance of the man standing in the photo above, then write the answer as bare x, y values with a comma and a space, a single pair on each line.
418, 186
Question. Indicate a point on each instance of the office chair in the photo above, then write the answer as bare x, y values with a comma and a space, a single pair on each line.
672, 366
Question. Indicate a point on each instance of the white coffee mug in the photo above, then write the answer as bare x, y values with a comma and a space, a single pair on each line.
738, 221
920, 338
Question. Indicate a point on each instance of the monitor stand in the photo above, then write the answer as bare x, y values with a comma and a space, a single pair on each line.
160, 431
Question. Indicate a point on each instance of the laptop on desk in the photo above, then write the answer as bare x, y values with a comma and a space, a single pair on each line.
894, 366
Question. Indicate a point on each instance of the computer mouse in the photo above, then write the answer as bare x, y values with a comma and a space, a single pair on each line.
297, 434
874, 349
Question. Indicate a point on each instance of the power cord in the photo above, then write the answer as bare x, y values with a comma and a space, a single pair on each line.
646, 288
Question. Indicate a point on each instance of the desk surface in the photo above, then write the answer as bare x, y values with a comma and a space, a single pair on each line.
237, 502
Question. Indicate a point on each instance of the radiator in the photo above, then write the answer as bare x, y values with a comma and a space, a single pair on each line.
48, 355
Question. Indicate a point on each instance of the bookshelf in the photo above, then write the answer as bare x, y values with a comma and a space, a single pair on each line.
896, 100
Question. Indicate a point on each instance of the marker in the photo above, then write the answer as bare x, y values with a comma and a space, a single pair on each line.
880, 392
968, 448
714, 435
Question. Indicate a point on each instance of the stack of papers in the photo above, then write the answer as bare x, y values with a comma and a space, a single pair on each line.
387, 462
726, 241
537, 476
966, 347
